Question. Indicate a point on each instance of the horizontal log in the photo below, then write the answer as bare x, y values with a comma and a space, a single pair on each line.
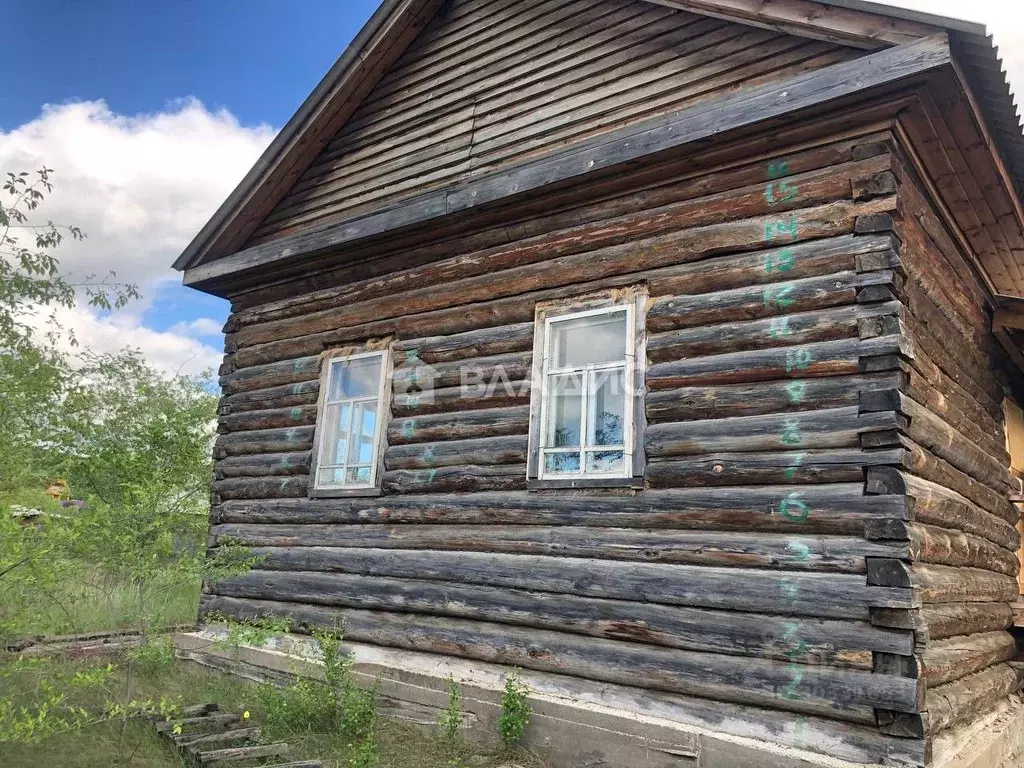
479, 451
963, 699
933, 504
942, 584
846, 694
470, 372
262, 487
816, 466
290, 370
831, 428
941, 546
483, 342
936, 621
813, 553
931, 432
284, 396
278, 418
456, 479
837, 596
807, 641
527, 266
783, 330
296, 463
520, 308
840, 509
828, 358
493, 393
955, 657
763, 397
927, 465
491, 422
264, 441
751, 302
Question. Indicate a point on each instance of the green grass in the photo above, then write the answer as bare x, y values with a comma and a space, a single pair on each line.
90, 601
400, 745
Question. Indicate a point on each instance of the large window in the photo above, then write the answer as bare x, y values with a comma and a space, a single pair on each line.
351, 421
584, 426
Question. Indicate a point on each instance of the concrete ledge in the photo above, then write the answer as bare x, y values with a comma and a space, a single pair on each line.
578, 723
995, 740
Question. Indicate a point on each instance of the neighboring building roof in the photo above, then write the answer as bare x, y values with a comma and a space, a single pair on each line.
397, 22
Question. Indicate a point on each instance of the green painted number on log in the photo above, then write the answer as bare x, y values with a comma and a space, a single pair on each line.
778, 229
296, 413
789, 591
803, 552
779, 327
413, 401
794, 465
778, 295
408, 428
794, 509
779, 261
428, 455
292, 435
797, 645
801, 723
797, 391
798, 359
426, 476
791, 433
780, 192
777, 168
789, 692
412, 356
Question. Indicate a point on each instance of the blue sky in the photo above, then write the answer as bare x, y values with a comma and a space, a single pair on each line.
256, 59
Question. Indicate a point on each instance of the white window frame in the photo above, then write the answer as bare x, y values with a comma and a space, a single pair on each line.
379, 433
588, 374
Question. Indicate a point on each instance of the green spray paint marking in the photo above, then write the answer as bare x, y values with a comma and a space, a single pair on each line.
798, 646
799, 729
780, 229
794, 509
298, 365
796, 390
777, 168
428, 455
789, 590
791, 433
779, 327
411, 356
803, 552
408, 427
779, 261
430, 475
794, 465
777, 295
296, 413
789, 692
292, 435
413, 401
780, 192
798, 359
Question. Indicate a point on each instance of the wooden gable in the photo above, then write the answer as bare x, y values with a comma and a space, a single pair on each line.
492, 83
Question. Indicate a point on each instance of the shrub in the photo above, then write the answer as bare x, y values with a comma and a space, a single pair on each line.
515, 711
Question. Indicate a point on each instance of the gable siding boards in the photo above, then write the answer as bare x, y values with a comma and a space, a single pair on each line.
490, 84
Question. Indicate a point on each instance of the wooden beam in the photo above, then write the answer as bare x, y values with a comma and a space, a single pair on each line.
603, 156
810, 19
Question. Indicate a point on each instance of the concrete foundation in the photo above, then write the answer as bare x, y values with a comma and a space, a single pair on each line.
581, 724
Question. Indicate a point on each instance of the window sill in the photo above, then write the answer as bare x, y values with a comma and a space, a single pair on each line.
637, 483
343, 493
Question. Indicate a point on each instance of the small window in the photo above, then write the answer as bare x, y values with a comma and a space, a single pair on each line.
585, 425
350, 423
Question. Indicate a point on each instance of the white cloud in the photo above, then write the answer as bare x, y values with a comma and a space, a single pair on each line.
140, 187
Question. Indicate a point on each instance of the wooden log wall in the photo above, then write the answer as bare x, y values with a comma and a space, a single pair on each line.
741, 573
955, 472
493, 82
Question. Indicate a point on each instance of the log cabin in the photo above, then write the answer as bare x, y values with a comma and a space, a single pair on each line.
669, 351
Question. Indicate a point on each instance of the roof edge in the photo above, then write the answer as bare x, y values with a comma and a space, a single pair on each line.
283, 143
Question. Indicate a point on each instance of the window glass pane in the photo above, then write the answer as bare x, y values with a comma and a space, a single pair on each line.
364, 428
594, 339
355, 378
358, 476
331, 476
564, 406
605, 462
561, 462
336, 421
608, 408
